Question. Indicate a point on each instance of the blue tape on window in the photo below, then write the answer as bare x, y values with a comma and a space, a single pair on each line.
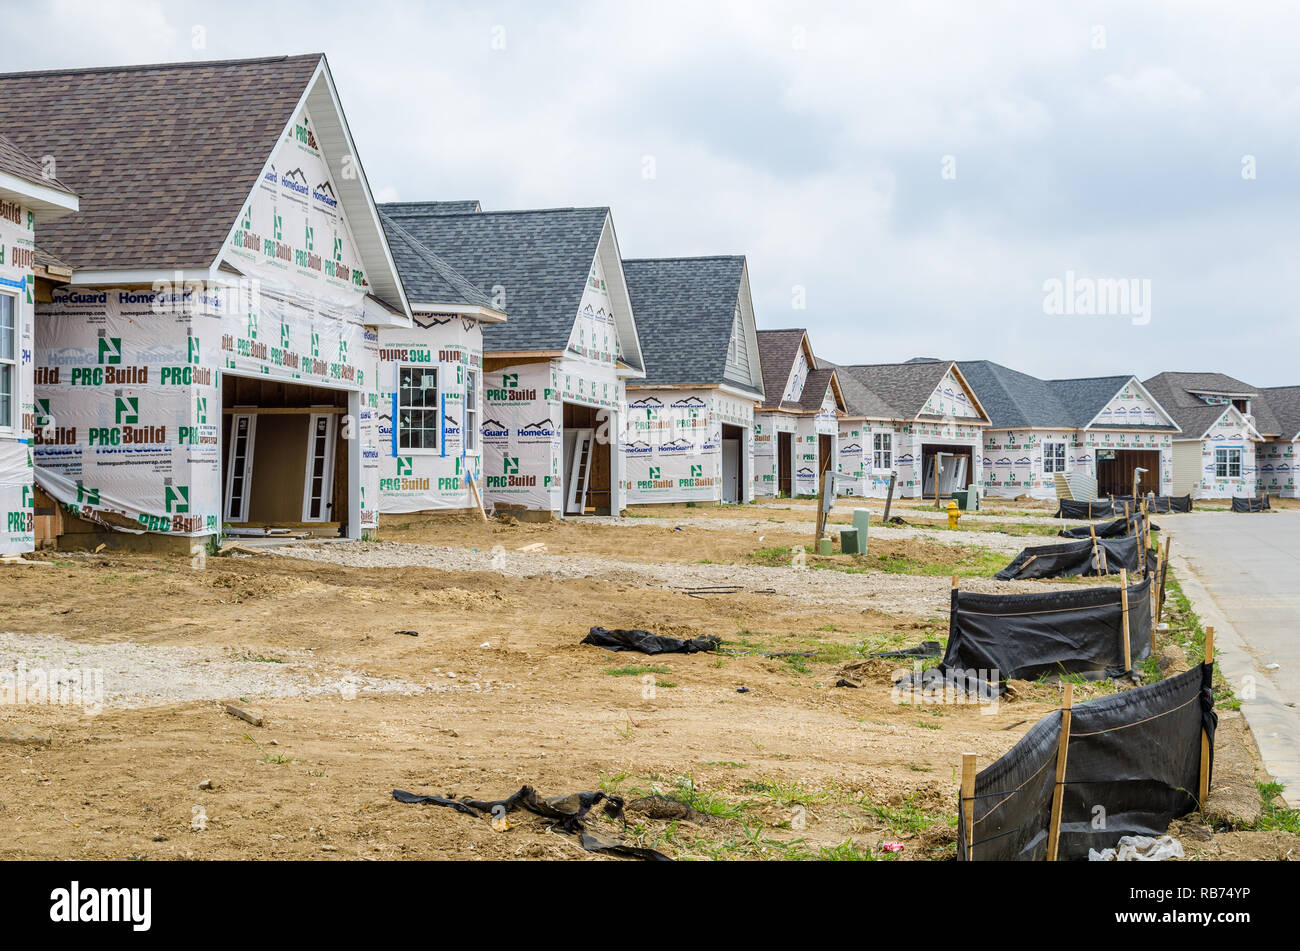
395, 424
442, 425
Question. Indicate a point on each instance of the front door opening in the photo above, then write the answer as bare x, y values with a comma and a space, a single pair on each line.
785, 465
733, 468
586, 466
1115, 471
953, 470
283, 462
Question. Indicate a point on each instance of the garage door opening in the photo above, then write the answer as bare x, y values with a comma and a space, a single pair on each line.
284, 459
588, 473
733, 466
1115, 471
785, 465
953, 470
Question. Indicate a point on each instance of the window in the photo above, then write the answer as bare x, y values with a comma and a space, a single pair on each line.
8, 361
471, 410
883, 457
1053, 457
419, 420
1227, 463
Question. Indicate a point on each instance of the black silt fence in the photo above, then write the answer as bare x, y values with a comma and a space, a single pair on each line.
1027, 636
1249, 504
1113, 505
1116, 528
1135, 754
1074, 558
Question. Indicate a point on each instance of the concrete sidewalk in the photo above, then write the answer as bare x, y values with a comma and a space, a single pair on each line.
1242, 575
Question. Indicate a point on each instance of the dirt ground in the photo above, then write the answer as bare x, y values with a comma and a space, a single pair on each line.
492, 692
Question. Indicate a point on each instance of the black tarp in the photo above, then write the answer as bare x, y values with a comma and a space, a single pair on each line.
569, 813
1027, 636
1116, 528
1136, 754
647, 643
1113, 505
1249, 504
1073, 558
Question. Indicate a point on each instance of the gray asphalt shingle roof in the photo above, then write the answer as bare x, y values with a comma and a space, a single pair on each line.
1284, 406
540, 259
902, 387
685, 308
427, 278
163, 157
1174, 392
1017, 400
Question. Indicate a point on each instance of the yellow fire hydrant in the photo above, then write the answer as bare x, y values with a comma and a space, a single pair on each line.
954, 514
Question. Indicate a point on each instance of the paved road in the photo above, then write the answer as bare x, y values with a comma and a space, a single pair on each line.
1245, 580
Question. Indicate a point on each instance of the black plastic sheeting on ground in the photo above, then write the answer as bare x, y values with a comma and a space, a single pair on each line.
1136, 754
1250, 505
1114, 529
1071, 559
1113, 505
647, 643
568, 812
1027, 636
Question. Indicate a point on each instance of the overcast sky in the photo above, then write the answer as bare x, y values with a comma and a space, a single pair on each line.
914, 178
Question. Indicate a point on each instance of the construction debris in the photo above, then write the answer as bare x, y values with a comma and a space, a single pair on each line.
647, 643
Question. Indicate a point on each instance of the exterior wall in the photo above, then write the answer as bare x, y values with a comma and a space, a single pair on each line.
1276, 463
673, 444
1228, 433
430, 481
17, 243
809, 432
133, 378
766, 428
523, 433
1187, 467
949, 399
1013, 459
908, 451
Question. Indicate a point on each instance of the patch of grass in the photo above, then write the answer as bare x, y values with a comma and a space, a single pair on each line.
787, 793
1275, 816
850, 851
971, 562
686, 790
278, 758
907, 817
636, 670
255, 658
1184, 627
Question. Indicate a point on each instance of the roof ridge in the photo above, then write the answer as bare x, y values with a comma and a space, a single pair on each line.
141, 67
384, 206
688, 257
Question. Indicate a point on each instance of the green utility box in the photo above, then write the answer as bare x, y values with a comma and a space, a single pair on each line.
968, 500
849, 544
824, 547
862, 522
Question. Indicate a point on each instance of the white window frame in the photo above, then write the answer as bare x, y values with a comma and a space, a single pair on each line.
247, 475
402, 448
1225, 459
12, 425
882, 452
1050, 458
471, 429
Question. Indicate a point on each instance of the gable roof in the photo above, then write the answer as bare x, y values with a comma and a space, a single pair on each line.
468, 206
902, 388
1193, 416
540, 258
164, 156
685, 308
428, 279
1283, 403
814, 390
777, 350
1017, 400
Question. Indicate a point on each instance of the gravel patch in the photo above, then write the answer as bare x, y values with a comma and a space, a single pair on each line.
131, 675
891, 593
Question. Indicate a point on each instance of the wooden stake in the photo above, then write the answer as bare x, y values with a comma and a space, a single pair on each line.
954, 581
1123, 600
1164, 572
889, 498
1062, 751
936, 480
1204, 788
968, 801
